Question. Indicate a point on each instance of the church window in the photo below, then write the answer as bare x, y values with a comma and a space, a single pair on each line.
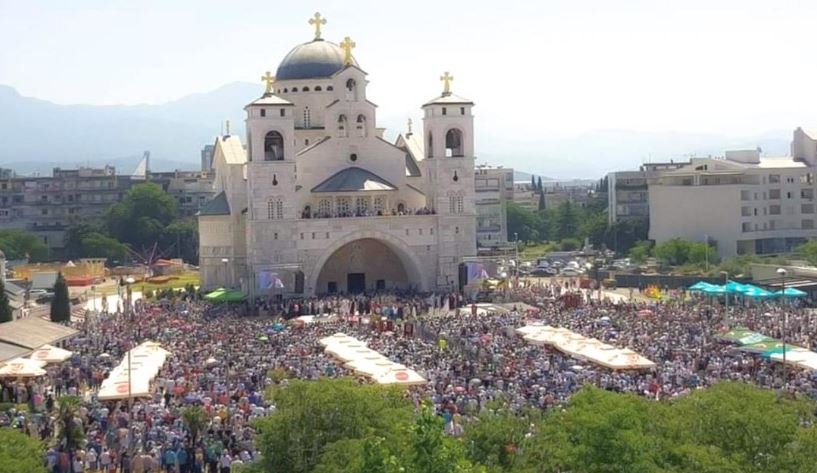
445, 111
353, 157
302, 236
318, 88
420, 231
342, 126
307, 118
306, 142
361, 206
324, 208
283, 112
305, 89
462, 110
344, 206
456, 202
430, 231
286, 91
327, 235
407, 232
274, 236
379, 205
313, 235
430, 151
457, 230
351, 90
453, 143
361, 125
294, 89
263, 112
273, 146
330, 88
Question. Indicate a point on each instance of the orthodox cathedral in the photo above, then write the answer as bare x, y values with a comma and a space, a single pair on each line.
318, 202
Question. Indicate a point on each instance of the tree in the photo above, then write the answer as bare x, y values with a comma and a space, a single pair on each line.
539, 185
808, 250
97, 245
61, 303
524, 223
69, 431
5, 308
20, 453
312, 415
542, 205
533, 182
641, 251
497, 438
183, 236
431, 451
19, 244
195, 420
567, 221
142, 216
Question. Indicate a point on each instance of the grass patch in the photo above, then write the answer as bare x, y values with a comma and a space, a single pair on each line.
176, 282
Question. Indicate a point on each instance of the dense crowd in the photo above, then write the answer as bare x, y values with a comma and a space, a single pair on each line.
223, 359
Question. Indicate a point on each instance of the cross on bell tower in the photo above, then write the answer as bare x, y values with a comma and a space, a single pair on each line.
446, 78
269, 79
347, 45
317, 21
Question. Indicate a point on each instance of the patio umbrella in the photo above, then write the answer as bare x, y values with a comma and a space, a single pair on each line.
790, 292
700, 286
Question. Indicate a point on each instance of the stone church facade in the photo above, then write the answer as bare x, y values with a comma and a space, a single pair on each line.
319, 202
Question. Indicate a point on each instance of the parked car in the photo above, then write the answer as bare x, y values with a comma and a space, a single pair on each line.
571, 272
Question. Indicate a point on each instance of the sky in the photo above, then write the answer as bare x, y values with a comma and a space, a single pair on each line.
536, 70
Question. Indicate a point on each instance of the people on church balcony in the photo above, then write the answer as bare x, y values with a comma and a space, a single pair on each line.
400, 211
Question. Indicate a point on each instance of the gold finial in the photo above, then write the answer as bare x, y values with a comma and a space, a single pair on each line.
317, 21
269, 79
227, 126
347, 46
409, 126
446, 78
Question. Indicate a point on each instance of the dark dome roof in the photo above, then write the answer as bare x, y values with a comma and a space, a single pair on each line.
311, 61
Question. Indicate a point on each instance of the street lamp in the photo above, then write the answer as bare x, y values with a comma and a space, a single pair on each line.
225, 261
782, 273
516, 249
726, 294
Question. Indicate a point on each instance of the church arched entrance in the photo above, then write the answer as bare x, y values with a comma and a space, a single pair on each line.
367, 265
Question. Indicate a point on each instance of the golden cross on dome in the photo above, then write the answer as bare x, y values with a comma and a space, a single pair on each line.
409, 126
317, 20
446, 78
347, 46
269, 79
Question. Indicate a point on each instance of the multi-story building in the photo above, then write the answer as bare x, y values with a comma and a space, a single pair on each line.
207, 158
525, 195
494, 187
48, 205
745, 203
628, 191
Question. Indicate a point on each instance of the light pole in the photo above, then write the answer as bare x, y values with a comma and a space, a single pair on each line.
706, 252
782, 273
225, 261
726, 294
516, 255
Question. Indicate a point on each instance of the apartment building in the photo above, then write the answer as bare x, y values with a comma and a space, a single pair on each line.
745, 203
628, 191
494, 188
48, 205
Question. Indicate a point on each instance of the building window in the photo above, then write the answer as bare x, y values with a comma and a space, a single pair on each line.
342, 126
462, 110
445, 111
330, 88
774, 210
808, 224
457, 230
807, 194
361, 126
807, 208
313, 235
275, 209
307, 118
318, 88
746, 227
774, 178
774, 194
362, 206
294, 89
453, 143
430, 231
263, 112
274, 236
305, 89
273, 146
282, 112
324, 208
379, 205
343, 205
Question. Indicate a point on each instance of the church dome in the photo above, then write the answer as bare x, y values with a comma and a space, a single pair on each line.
313, 60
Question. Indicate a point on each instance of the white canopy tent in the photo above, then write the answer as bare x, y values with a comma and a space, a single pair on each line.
23, 368
50, 354
367, 362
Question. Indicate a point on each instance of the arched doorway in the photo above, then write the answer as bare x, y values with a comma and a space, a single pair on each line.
366, 265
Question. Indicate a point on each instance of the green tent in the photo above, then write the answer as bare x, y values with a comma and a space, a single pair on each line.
743, 336
225, 295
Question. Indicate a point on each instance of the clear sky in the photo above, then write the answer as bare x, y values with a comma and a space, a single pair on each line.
551, 67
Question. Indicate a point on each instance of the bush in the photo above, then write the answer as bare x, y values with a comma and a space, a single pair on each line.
570, 244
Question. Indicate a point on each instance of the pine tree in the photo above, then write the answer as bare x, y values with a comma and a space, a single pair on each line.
532, 181
5, 307
539, 185
61, 304
542, 201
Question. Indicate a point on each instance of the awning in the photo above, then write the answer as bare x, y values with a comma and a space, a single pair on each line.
226, 295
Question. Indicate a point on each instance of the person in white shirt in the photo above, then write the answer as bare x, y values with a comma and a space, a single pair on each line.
225, 461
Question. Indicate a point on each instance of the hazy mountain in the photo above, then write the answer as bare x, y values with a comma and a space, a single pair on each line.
38, 135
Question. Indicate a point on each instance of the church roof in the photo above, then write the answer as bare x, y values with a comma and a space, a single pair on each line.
231, 148
354, 179
218, 205
314, 60
412, 170
449, 99
270, 100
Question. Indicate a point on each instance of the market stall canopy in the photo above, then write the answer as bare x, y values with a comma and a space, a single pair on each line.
790, 292
701, 285
22, 368
367, 362
135, 373
51, 354
34, 332
226, 295
404, 377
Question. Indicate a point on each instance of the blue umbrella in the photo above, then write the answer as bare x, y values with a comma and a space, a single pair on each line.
791, 292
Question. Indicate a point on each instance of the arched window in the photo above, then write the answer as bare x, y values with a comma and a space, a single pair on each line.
275, 208
330, 88
342, 127
325, 208
307, 118
456, 202
294, 89
351, 90
305, 89
401, 208
430, 150
286, 91
453, 143
273, 146
361, 125
318, 88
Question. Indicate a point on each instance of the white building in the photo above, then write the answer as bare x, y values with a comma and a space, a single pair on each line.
319, 202
745, 203
494, 188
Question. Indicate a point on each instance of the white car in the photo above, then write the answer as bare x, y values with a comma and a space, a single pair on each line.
571, 272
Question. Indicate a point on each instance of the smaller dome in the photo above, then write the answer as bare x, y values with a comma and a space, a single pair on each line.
313, 60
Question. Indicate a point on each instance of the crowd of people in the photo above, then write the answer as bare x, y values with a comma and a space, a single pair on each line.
223, 358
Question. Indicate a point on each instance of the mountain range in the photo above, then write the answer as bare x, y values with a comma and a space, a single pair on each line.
38, 135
